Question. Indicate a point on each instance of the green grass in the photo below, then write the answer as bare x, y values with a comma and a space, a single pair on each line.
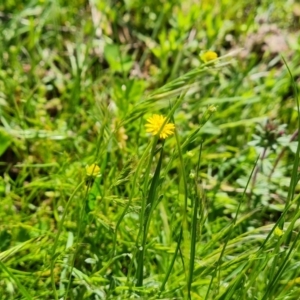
211, 212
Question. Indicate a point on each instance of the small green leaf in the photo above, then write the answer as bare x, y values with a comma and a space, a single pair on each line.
118, 62
5, 140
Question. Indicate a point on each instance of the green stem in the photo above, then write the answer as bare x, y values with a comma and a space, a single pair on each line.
130, 197
79, 237
55, 244
148, 205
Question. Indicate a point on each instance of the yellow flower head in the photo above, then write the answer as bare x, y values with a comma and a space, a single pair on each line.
278, 232
92, 171
154, 126
209, 56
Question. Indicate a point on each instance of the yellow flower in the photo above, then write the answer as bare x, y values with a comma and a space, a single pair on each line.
278, 232
209, 56
92, 171
154, 126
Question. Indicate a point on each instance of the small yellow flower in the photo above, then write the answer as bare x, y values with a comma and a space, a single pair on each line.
155, 124
209, 56
278, 232
92, 171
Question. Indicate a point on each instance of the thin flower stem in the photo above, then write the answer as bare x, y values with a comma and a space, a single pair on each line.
79, 237
55, 244
147, 206
140, 164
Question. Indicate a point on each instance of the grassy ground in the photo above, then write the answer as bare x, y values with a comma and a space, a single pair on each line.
211, 211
